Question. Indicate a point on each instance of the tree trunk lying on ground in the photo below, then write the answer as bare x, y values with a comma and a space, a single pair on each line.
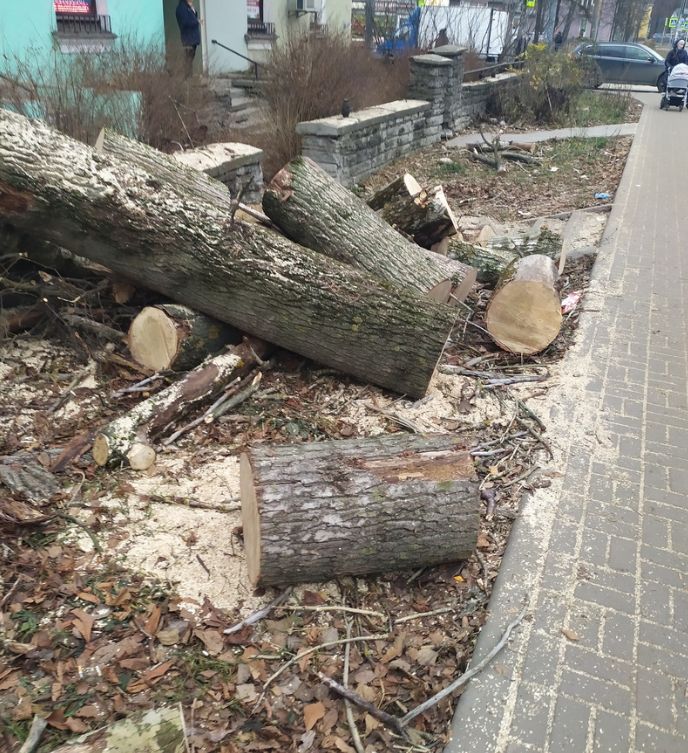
424, 215
170, 336
316, 511
491, 260
151, 731
524, 313
165, 237
501, 146
315, 210
128, 439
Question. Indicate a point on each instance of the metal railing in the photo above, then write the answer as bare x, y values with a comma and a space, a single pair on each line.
238, 54
492, 70
79, 23
258, 28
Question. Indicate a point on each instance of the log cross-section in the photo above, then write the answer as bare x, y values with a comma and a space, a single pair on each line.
315, 511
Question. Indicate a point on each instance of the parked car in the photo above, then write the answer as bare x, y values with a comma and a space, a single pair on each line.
625, 63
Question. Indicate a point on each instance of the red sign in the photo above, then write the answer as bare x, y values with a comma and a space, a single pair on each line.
72, 6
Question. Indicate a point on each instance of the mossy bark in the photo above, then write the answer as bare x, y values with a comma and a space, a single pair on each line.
316, 211
166, 237
312, 512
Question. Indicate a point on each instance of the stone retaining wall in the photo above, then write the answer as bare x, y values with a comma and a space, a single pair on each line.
351, 149
236, 165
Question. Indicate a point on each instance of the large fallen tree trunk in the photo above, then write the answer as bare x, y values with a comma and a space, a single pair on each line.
128, 439
489, 263
524, 313
544, 242
316, 211
170, 336
312, 512
424, 215
165, 237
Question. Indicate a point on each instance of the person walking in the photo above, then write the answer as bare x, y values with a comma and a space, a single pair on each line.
677, 54
190, 30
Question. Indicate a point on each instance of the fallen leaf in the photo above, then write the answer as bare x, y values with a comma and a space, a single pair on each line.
570, 635
83, 622
153, 676
153, 621
212, 640
312, 713
483, 542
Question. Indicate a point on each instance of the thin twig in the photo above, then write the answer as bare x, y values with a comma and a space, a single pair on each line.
38, 724
10, 593
391, 721
356, 738
514, 380
219, 507
65, 395
466, 676
137, 387
260, 614
312, 650
326, 608
537, 436
530, 414
410, 425
442, 610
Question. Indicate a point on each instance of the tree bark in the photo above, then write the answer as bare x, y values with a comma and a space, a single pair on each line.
165, 237
489, 263
316, 211
426, 217
524, 313
545, 242
403, 186
170, 336
128, 439
151, 731
312, 512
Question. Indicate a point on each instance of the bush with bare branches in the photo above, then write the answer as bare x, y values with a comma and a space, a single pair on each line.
134, 88
309, 77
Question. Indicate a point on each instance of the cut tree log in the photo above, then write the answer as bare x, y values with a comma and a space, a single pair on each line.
165, 237
128, 439
315, 511
427, 217
489, 263
544, 242
316, 211
171, 336
524, 313
499, 252
405, 185
424, 215
151, 731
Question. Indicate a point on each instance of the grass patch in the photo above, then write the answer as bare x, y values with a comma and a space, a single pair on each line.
601, 107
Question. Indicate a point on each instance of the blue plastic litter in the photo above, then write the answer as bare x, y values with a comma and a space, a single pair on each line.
603, 196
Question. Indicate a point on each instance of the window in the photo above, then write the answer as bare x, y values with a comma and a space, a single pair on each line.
609, 51
637, 53
80, 17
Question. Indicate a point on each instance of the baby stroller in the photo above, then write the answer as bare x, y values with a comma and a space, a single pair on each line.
676, 88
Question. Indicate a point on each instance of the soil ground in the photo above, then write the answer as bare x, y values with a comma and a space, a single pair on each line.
116, 586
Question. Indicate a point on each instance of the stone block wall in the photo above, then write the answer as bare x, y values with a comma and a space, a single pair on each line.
235, 165
351, 149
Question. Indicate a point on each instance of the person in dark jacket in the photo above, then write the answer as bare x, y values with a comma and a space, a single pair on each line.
190, 30
677, 54
558, 40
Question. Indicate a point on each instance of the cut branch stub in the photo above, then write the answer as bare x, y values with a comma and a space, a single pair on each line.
312, 512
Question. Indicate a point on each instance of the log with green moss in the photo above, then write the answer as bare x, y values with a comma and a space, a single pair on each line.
320, 510
315, 210
164, 236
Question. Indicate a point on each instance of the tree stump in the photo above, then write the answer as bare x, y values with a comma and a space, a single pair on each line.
171, 336
312, 512
405, 185
524, 313
489, 263
316, 211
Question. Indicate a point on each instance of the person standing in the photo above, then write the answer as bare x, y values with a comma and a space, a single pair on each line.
190, 30
558, 40
677, 54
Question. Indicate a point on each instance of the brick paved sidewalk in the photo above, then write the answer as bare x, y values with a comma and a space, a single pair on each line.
604, 552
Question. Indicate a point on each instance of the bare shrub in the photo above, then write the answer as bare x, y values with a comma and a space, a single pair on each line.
135, 89
547, 91
309, 77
